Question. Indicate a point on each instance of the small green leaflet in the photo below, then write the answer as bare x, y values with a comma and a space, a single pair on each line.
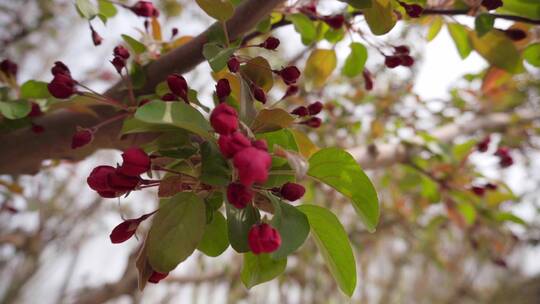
15, 109
135, 45
260, 268
34, 89
215, 239
354, 64
239, 221
217, 56
221, 10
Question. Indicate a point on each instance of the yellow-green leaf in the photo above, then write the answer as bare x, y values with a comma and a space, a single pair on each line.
319, 66
435, 28
380, 17
460, 34
259, 71
221, 10
272, 120
498, 50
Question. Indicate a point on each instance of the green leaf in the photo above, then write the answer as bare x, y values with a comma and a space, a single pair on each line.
468, 212
532, 54
259, 71
509, 217
239, 221
483, 24
360, 4
138, 76
305, 27
338, 169
435, 28
15, 109
217, 56
135, 45
498, 50
260, 268
380, 17
177, 114
132, 125
176, 231
221, 10
461, 150
268, 120
215, 239
107, 9
319, 66
354, 64
214, 168
461, 39
86, 8
34, 89
524, 8
283, 138
292, 225
332, 241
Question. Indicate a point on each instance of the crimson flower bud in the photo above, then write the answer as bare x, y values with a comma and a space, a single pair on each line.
401, 50
157, 276
259, 94
125, 230
271, 43
178, 85
289, 74
169, 97
98, 179
492, 4
484, 144
260, 144
292, 191
335, 22
262, 238
313, 122
233, 64
224, 119
135, 162
506, 161
60, 68
315, 108
96, 38
300, 111
478, 191
62, 86
35, 110
122, 183
407, 60
174, 32
223, 89
291, 90
414, 10
515, 34
119, 63
252, 165
490, 186
37, 129
144, 9
239, 195
81, 138
8, 67
368, 80
230, 144
392, 61
121, 51
502, 152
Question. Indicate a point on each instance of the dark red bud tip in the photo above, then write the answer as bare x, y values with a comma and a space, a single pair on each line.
292, 191
119, 63
239, 195
96, 38
478, 191
145, 9
407, 60
252, 165
37, 129
229, 145
401, 50
174, 32
313, 122
290, 74
125, 230
156, 277
414, 10
259, 94
490, 186
121, 52
122, 183
224, 119
60, 68
98, 179
81, 138
35, 111
315, 108
9, 67
335, 22
506, 161
178, 85
300, 111
484, 144
62, 86
223, 89
392, 61
169, 97
233, 64
368, 80
515, 34
271, 43
263, 238
135, 162
291, 90
492, 4
260, 144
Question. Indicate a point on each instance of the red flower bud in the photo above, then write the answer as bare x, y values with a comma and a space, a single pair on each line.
292, 191
271, 43
174, 32
178, 85
492, 4
252, 165
60, 68
313, 122
98, 179
502, 152
144, 9
263, 238
169, 97
478, 191
259, 94
300, 111
230, 144
96, 38
290, 74
260, 144
401, 50
315, 108
291, 90
119, 63
413, 10
125, 230
490, 186
309, 9
121, 51
506, 161
239, 195
335, 22
392, 61
233, 64
81, 138
9, 67
223, 89
515, 34
224, 119
122, 183
37, 129
407, 60
368, 80
35, 111
484, 144
135, 163
157, 276
62, 86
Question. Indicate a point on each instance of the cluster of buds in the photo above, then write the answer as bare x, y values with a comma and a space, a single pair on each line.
309, 112
121, 54
144, 9
400, 57
492, 4
179, 88
480, 190
505, 159
412, 10
110, 182
62, 86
